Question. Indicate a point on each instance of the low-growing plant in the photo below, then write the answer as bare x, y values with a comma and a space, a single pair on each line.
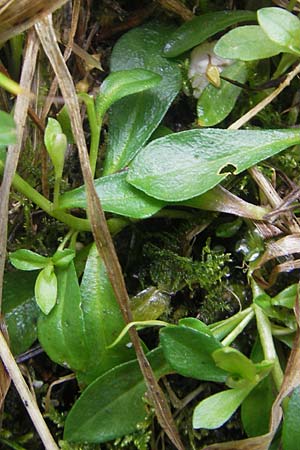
80, 325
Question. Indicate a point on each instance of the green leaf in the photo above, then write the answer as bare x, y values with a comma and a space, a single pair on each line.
62, 258
189, 352
183, 165
281, 26
112, 406
134, 119
84, 321
122, 83
291, 422
27, 260
235, 362
200, 28
7, 129
196, 324
214, 104
56, 144
46, 289
116, 195
61, 333
20, 309
256, 408
215, 410
286, 298
245, 43
103, 321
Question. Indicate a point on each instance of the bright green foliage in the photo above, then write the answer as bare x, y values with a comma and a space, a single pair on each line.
200, 28
256, 408
215, 410
133, 119
95, 417
282, 27
291, 422
56, 145
116, 196
20, 309
45, 289
122, 83
27, 260
245, 43
186, 164
7, 129
236, 363
84, 322
62, 258
189, 352
214, 104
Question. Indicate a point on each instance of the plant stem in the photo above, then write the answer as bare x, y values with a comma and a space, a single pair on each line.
56, 192
238, 329
224, 327
26, 396
95, 128
267, 343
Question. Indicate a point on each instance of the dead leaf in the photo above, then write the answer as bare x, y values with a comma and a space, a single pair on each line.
19, 15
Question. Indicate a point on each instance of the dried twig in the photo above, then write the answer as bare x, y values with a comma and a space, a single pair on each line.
99, 227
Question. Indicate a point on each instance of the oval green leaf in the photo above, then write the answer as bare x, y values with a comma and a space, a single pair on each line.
27, 260
95, 417
7, 129
245, 43
189, 352
281, 27
201, 28
122, 83
116, 195
214, 104
186, 164
46, 289
134, 119
215, 410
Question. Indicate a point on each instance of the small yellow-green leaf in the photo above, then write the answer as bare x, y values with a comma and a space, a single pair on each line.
215, 410
46, 289
235, 362
7, 129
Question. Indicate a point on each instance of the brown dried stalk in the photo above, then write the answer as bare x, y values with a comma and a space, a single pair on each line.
99, 227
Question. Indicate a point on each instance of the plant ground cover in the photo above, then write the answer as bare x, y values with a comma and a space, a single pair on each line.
149, 233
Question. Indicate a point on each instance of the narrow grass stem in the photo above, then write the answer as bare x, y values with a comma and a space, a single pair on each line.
238, 329
267, 343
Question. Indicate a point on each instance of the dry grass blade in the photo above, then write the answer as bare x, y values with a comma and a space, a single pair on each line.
4, 377
98, 223
13, 153
285, 246
19, 15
